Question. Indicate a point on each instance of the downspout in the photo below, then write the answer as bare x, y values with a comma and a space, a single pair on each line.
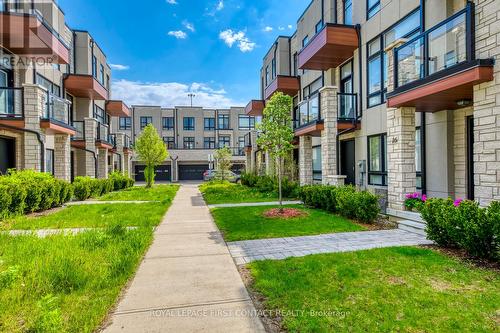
422, 115
360, 77
39, 138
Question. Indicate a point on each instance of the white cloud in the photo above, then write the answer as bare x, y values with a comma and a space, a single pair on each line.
188, 25
118, 67
231, 37
267, 29
179, 34
172, 2
220, 5
281, 28
217, 8
290, 27
170, 94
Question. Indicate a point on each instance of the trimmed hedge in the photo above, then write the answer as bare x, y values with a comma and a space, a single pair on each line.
86, 187
464, 225
268, 184
342, 200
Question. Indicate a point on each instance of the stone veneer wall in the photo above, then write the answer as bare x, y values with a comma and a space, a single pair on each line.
102, 163
487, 105
34, 102
305, 160
329, 113
62, 156
90, 138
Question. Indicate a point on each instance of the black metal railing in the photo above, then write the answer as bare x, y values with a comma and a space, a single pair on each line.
248, 139
444, 46
11, 102
307, 111
80, 130
235, 151
127, 142
103, 133
57, 109
347, 106
112, 139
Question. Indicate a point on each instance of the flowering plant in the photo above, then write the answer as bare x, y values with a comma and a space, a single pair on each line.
414, 201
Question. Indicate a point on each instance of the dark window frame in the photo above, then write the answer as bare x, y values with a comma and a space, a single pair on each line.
187, 141
319, 26
145, 121
188, 123
383, 160
225, 141
209, 124
100, 115
167, 123
127, 123
226, 122
373, 10
169, 142
52, 164
251, 121
209, 142
320, 171
344, 11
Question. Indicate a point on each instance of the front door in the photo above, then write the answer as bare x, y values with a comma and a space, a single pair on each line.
470, 158
348, 161
7, 154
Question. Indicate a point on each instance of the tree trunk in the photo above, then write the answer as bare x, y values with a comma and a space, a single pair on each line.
279, 184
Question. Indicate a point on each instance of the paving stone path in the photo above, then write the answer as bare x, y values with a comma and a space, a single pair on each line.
254, 204
280, 248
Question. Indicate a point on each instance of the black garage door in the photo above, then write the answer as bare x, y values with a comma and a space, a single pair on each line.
192, 172
163, 173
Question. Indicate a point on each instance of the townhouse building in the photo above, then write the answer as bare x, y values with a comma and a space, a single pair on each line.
393, 96
191, 134
55, 107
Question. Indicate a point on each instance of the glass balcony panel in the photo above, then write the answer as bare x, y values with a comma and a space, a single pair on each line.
11, 101
303, 114
80, 130
347, 106
447, 44
314, 108
410, 62
57, 109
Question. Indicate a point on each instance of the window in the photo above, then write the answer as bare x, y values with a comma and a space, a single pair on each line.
273, 68
94, 66
188, 143
99, 114
295, 64
102, 74
418, 157
209, 143
107, 82
377, 160
49, 161
145, 121
169, 142
125, 123
223, 120
348, 12
168, 123
318, 26
372, 8
377, 59
317, 170
312, 88
51, 87
224, 141
188, 123
305, 41
209, 124
268, 79
246, 122
241, 142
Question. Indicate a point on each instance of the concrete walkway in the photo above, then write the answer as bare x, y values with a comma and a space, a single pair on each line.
280, 248
254, 204
188, 281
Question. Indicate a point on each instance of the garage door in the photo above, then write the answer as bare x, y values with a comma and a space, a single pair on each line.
192, 172
163, 173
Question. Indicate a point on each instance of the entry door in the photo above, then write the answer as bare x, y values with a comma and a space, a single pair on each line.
7, 154
470, 158
348, 161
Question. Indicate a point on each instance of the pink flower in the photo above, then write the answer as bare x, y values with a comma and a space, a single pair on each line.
424, 198
457, 202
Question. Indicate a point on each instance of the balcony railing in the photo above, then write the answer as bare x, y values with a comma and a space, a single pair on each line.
248, 139
308, 111
235, 151
57, 109
127, 143
103, 133
112, 139
80, 131
11, 102
348, 106
446, 45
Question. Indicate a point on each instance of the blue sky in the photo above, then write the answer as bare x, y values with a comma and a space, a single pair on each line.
165, 49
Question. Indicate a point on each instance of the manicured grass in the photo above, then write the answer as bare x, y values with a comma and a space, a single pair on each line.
164, 193
92, 216
384, 290
65, 283
233, 193
244, 223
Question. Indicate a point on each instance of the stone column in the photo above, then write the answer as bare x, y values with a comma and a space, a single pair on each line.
329, 113
127, 167
487, 106
90, 138
305, 160
62, 156
102, 163
120, 140
401, 171
248, 160
35, 98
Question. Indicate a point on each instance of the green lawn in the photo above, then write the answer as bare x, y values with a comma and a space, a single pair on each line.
244, 223
384, 290
140, 193
65, 283
92, 216
233, 193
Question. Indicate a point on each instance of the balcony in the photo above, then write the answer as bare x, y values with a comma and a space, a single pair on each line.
127, 144
112, 141
308, 117
329, 48
117, 109
85, 86
78, 139
104, 140
437, 70
12, 107
255, 108
288, 85
56, 116
347, 111
28, 34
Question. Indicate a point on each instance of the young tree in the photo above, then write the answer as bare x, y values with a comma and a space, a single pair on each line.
223, 158
277, 134
151, 151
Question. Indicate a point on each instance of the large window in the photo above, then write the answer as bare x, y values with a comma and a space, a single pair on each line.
99, 114
377, 160
209, 124
188, 123
418, 157
94, 66
273, 68
224, 141
377, 65
125, 123
316, 167
209, 143
102, 75
168, 123
268, 78
246, 122
372, 8
49, 161
145, 121
348, 12
223, 122
188, 143
169, 141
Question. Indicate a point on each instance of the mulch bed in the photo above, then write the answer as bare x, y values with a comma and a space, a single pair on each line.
285, 213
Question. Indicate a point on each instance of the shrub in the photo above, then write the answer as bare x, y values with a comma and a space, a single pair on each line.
5, 201
265, 184
289, 188
82, 187
86, 187
439, 215
414, 201
249, 179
